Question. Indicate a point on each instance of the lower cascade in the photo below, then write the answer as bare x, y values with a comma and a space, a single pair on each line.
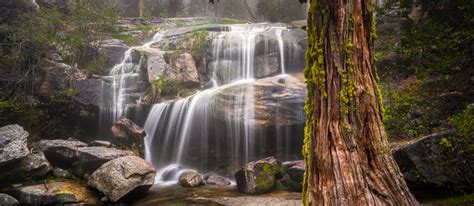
250, 109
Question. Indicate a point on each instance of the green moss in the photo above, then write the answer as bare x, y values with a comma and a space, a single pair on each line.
263, 184
268, 169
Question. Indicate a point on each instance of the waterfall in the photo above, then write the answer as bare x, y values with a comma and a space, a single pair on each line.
122, 83
281, 46
195, 132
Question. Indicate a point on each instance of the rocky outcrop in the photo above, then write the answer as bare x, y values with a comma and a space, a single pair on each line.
191, 179
13, 146
259, 177
276, 101
54, 193
126, 134
33, 166
111, 51
439, 160
122, 178
77, 156
8, 200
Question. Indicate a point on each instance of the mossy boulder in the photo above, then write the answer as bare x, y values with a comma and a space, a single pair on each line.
259, 177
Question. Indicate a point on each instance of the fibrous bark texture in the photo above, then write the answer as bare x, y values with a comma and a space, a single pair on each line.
348, 159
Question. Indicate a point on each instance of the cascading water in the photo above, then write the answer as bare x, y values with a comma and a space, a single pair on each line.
197, 132
119, 88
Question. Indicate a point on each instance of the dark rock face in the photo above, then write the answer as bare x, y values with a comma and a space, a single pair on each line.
296, 170
111, 51
12, 144
127, 134
123, 178
191, 179
33, 166
436, 160
54, 193
8, 200
217, 180
259, 177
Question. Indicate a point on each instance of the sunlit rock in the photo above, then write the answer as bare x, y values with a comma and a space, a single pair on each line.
54, 193
191, 179
123, 178
12, 144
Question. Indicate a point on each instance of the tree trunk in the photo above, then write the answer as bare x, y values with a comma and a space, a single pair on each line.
348, 158
141, 8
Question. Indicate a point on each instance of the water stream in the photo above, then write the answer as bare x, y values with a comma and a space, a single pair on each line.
214, 129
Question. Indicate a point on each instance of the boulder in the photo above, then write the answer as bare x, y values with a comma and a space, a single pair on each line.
438, 160
33, 166
217, 180
91, 158
112, 51
99, 143
60, 173
259, 177
191, 179
122, 178
279, 101
296, 171
77, 156
13, 144
8, 200
126, 134
54, 193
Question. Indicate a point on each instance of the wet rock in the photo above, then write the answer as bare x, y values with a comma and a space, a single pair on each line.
13, 144
54, 193
217, 180
8, 200
60, 153
123, 178
33, 166
99, 143
112, 51
276, 104
191, 179
268, 65
259, 177
126, 134
438, 160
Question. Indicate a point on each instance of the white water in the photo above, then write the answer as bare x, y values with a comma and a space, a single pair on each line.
186, 132
122, 80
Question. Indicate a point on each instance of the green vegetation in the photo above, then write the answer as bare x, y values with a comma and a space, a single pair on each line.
428, 79
167, 87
